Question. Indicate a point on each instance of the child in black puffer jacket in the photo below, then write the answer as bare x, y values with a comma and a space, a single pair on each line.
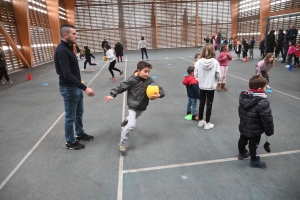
255, 119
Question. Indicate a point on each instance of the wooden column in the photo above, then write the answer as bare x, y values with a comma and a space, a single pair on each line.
264, 14
197, 20
13, 46
52, 9
21, 13
156, 33
70, 10
234, 5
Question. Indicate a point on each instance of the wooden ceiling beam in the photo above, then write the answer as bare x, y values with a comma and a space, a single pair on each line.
264, 14
21, 13
70, 10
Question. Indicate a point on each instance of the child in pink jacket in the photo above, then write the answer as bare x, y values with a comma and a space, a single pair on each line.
223, 59
292, 50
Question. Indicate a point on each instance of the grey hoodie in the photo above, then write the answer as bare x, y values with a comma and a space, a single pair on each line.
207, 72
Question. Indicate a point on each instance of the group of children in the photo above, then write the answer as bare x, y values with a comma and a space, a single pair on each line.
210, 74
203, 78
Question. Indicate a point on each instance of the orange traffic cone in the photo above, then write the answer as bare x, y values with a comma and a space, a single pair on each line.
246, 59
29, 76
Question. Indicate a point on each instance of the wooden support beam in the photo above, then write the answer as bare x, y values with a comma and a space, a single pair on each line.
156, 33
21, 13
234, 5
284, 12
52, 9
264, 14
70, 10
13, 46
197, 20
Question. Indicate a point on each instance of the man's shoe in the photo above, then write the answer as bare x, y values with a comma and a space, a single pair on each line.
121, 72
10, 82
74, 146
257, 164
2, 83
124, 123
243, 155
84, 137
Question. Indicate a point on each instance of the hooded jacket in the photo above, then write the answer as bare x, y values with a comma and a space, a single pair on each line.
136, 92
192, 87
255, 114
207, 72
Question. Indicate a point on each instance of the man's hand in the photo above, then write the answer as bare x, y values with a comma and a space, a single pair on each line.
89, 92
153, 97
108, 98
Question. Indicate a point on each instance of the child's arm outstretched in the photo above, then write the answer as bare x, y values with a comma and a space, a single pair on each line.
118, 90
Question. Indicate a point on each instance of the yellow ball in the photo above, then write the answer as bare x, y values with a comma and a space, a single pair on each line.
105, 58
152, 89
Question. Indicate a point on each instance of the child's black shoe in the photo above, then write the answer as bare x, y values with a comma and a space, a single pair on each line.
243, 155
257, 163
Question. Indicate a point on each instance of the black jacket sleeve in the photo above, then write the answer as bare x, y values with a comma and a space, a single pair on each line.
266, 117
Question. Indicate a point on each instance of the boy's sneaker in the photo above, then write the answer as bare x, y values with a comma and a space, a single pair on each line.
269, 88
82, 69
124, 123
201, 123
243, 155
121, 72
2, 83
208, 126
75, 146
10, 82
84, 137
122, 148
257, 163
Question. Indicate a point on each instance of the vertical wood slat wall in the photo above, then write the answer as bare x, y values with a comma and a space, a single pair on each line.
8, 21
175, 20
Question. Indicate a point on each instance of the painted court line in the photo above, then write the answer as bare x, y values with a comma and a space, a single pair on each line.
121, 162
203, 162
38, 142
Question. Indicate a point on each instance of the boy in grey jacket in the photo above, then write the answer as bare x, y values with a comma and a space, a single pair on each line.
137, 99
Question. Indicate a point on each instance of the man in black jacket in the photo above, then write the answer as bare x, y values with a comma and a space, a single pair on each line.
280, 43
255, 119
71, 88
102, 45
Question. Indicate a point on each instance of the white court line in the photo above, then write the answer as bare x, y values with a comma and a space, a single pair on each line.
203, 162
248, 81
38, 142
121, 163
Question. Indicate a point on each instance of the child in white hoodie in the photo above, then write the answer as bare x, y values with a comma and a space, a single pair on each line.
112, 59
207, 72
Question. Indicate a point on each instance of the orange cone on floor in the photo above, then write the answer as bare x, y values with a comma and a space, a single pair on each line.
29, 76
246, 59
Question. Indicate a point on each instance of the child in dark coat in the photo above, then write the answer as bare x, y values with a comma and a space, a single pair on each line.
255, 119
193, 92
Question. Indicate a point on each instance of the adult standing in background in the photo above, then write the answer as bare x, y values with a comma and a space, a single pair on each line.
280, 43
119, 51
291, 35
142, 45
219, 37
3, 71
270, 42
102, 45
71, 88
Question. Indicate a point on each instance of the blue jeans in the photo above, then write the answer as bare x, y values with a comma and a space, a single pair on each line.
73, 102
192, 105
144, 50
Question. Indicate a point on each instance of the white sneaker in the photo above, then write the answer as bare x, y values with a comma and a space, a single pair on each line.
268, 87
208, 126
287, 66
201, 123
280, 59
82, 69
